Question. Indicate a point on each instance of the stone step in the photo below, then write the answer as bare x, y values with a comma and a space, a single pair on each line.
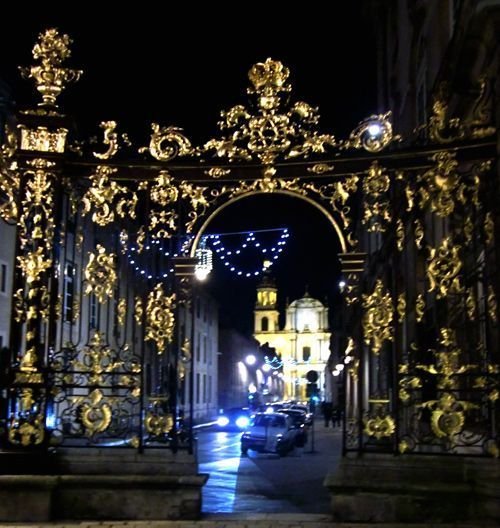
253, 520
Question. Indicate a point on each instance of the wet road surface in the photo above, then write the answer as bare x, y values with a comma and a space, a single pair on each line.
266, 483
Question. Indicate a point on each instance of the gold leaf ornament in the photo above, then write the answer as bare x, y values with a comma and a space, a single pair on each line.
378, 316
100, 274
160, 318
444, 265
96, 414
380, 427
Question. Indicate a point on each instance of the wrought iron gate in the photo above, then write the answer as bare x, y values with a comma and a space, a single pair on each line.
106, 248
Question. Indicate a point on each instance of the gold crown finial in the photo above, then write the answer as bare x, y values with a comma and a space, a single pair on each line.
270, 74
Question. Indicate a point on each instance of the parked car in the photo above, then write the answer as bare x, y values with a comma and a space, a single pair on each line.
271, 407
300, 422
235, 418
270, 433
304, 409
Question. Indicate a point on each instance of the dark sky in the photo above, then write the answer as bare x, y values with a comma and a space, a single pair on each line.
308, 260
182, 65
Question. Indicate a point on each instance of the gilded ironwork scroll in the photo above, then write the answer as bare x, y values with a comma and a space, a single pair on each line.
444, 265
378, 316
376, 206
160, 318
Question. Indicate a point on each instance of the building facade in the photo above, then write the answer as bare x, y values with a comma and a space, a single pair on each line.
7, 235
235, 375
303, 345
201, 325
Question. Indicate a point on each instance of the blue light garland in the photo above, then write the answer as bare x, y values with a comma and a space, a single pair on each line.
276, 363
270, 253
133, 255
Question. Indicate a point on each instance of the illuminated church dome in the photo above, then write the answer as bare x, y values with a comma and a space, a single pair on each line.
306, 315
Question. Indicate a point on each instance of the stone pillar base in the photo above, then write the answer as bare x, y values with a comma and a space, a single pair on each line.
415, 488
99, 484
42, 498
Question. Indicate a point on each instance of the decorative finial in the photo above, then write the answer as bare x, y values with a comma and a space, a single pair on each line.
268, 79
52, 49
271, 129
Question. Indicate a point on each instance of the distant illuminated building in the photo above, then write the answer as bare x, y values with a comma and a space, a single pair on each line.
304, 343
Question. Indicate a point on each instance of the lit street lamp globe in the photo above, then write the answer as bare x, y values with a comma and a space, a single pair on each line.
250, 359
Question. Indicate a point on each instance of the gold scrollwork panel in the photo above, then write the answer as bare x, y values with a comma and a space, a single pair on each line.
378, 317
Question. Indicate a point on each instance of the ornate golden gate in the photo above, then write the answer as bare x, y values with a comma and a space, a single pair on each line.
106, 244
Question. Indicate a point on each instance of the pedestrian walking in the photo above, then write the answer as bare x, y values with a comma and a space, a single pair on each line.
337, 416
326, 409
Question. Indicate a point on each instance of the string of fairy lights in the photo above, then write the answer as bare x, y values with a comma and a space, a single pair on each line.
134, 257
252, 242
235, 250
276, 363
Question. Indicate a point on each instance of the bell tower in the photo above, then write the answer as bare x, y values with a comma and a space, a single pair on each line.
266, 313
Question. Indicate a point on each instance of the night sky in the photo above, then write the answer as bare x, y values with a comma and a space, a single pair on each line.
180, 66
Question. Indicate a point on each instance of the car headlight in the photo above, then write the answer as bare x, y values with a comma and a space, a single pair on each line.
222, 421
242, 422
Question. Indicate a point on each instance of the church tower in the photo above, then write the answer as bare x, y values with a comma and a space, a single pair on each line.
266, 313
303, 345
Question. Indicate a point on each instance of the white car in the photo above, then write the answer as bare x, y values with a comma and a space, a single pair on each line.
270, 433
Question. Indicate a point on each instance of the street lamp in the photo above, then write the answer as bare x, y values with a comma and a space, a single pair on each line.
204, 265
250, 359
242, 371
374, 130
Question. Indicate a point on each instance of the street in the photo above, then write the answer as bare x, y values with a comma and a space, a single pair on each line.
266, 483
